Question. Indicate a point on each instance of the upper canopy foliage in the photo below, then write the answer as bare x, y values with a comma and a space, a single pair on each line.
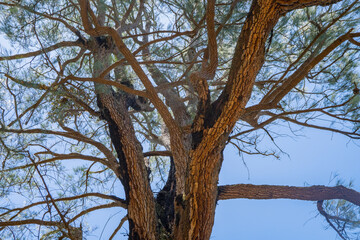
49, 111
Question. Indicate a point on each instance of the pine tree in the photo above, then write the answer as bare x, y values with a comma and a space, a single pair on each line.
130, 104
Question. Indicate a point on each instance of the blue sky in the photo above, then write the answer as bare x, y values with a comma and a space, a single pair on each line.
314, 159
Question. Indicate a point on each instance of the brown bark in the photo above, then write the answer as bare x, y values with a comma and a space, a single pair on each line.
313, 193
191, 209
185, 208
141, 205
197, 218
289, 5
132, 170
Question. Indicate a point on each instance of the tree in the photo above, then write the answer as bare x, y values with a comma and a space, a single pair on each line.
147, 94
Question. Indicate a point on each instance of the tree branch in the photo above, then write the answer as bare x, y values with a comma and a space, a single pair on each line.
119, 201
327, 217
158, 153
313, 193
45, 50
177, 143
289, 5
29, 221
118, 227
275, 96
72, 135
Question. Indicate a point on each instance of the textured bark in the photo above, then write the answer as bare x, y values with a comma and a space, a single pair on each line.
165, 206
141, 205
197, 217
132, 169
185, 208
313, 193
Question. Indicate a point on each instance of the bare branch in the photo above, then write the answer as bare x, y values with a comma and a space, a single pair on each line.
119, 201
353, 134
158, 153
118, 227
313, 193
30, 221
103, 206
49, 195
45, 50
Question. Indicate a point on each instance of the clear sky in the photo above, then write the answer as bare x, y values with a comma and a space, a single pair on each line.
313, 160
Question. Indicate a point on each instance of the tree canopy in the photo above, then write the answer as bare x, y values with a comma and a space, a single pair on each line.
130, 104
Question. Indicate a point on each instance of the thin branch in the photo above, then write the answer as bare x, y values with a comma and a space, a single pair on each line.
119, 201
276, 95
62, 217
30, 221
61, 157
108, 82
73, 135
118, 227
327, 217
109, 205
353, 135
44, 50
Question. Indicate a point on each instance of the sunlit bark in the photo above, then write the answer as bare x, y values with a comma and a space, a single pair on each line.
194, 140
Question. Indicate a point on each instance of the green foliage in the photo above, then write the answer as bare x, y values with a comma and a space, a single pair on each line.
343, 215
37, 92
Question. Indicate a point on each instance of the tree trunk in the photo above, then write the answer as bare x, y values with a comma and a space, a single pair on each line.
185, 208
134, 177
196, 219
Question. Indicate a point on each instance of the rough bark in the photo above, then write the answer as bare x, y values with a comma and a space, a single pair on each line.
165, 205
313, 193
197, 218
132, 169
141, 205
185, 208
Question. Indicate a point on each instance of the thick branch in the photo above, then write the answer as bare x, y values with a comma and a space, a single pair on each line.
313, 193
177, 145
289, 5
158, 153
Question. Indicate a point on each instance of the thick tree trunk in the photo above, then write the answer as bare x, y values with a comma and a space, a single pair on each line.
141, 204
185, 208
134, 177
196, 219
